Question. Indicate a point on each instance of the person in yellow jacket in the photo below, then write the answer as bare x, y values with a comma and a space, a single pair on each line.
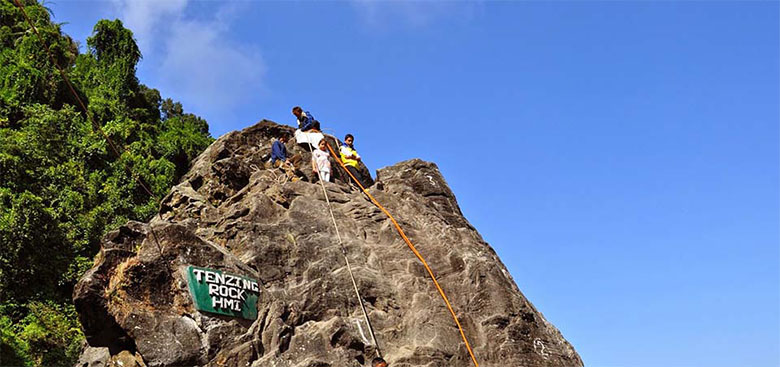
351, 159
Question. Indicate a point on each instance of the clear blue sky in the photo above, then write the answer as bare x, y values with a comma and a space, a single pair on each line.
621, 157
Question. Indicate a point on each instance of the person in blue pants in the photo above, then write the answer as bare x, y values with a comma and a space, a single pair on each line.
281, 159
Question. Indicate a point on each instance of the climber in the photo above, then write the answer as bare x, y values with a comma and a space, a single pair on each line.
378, 362
306, 120
308, 134
319, 161
280, 158
351, 158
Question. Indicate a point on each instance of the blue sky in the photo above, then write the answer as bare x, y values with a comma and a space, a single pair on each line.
621, 157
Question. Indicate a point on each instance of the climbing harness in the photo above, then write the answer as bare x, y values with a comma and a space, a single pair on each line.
414, 250
346, 260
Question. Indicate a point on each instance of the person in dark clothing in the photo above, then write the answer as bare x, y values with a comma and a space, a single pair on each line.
378, 362
281, 159
351, 159
279, 150
306, 120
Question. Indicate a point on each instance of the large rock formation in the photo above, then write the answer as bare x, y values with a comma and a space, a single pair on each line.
231, 214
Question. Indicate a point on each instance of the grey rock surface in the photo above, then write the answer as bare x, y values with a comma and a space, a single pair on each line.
230, 213
94, 357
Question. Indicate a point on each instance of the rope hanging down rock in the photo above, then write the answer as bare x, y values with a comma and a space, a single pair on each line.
414, 250
140, 182
346, 259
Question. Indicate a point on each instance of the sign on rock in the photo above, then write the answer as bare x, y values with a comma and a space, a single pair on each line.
222, 293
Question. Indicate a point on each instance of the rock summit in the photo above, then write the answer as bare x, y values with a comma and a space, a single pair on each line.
231, 214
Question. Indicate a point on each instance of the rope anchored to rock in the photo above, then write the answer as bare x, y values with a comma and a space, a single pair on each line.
346, 260
414, 250
117, 150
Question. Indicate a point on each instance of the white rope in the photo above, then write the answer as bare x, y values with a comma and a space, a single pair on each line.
360, 328
344, 253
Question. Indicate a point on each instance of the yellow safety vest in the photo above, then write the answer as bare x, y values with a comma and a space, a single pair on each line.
350, 152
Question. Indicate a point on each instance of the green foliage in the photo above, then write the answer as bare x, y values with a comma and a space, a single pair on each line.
13, 350
52, 334
25, 269
63, 186
49, 335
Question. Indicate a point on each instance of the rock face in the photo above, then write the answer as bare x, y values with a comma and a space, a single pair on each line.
231, 214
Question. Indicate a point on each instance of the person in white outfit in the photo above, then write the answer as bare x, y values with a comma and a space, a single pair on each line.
320, 162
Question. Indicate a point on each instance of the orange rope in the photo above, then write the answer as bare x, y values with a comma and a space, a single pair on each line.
336, 156
414, 250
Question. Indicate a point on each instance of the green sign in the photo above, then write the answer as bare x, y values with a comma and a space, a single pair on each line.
222, 293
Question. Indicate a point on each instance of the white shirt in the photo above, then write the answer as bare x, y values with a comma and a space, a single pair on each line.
321, 160
347, 151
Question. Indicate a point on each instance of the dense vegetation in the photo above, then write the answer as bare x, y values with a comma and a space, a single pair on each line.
61, 185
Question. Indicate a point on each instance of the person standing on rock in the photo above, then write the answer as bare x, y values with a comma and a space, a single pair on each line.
280, 158
351, 159
378, 362
306, 120
319, 161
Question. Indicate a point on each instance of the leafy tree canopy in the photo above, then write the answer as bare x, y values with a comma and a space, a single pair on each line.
62, 185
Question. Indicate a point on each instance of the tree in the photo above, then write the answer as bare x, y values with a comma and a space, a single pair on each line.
63, 187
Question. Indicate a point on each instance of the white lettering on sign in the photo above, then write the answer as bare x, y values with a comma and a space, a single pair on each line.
226, 303
213, 289
198, 274
226, 291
